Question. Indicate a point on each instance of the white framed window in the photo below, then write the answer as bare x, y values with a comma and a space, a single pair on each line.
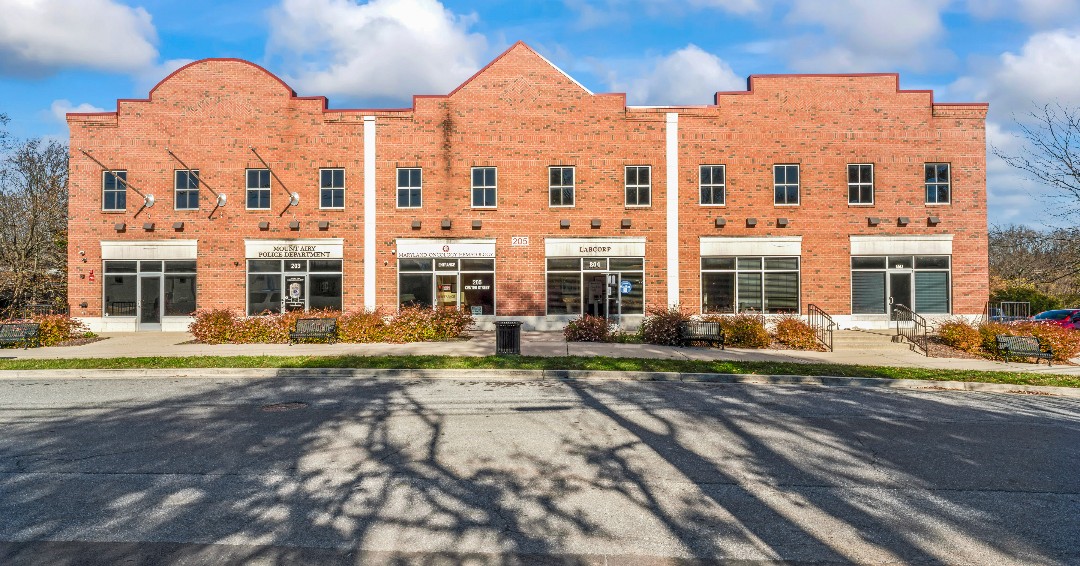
561, 186
638, 185
484, 187
410, 187
921, 283
786, 184
938, 183
332, 188
258, 189
860, 183
114, 190
735, 284
186, 189
712, 182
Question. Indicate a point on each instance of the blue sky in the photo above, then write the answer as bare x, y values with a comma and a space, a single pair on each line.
63, 55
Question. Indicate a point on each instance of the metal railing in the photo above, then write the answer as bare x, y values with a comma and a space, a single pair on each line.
822, 324
912, 327
30, 311
1006, 311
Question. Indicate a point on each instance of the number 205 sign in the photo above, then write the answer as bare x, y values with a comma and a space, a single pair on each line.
519, 240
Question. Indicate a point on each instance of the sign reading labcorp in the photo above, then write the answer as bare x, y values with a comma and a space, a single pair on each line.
407, 249
594, 247
327, 248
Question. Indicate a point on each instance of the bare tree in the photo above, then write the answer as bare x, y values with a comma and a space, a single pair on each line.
33, 223
1051, 153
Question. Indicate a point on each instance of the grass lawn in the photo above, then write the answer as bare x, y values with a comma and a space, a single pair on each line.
552, 363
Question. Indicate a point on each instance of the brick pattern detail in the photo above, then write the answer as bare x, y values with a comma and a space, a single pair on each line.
522, 115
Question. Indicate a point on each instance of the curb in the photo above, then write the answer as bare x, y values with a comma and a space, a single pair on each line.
538, 375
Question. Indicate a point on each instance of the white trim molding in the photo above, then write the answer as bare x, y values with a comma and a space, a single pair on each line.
763, 246
929, 244
146, 249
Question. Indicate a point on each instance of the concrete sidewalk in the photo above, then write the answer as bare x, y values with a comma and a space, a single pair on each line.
131, 344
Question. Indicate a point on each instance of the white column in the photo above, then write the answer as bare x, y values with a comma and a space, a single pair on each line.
369, 212
672, 198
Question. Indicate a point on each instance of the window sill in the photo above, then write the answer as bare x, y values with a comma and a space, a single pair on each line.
938, 204
703, 205
861, 204
114, 211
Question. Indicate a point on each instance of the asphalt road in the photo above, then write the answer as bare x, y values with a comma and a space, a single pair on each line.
358, 471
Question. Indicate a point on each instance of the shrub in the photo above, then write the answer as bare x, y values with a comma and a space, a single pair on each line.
1065, 342
56, 328
587, 329
661, 326
363, 327
1026, 292
988, 330
792, 331
213, 326
961, 334
413, 324
743, 330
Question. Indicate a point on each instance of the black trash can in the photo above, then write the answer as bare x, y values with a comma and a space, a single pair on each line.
507, 337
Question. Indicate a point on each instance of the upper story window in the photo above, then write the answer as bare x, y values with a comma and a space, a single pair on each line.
258, 188
860, 183
409, 187
114, 190
938, 183
331, 188
712, 181
638, 185
561, 186
186, 189
483, 187
786, 184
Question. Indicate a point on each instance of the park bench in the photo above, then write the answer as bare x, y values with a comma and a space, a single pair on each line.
19, 333
701, 331
1024, 347
325, 328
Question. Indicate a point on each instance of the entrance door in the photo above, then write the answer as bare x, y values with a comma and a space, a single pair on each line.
613, 297
446, 290
150, 303
899, 290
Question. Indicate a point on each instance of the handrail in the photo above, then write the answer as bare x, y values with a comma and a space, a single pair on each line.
822, 324
916, 332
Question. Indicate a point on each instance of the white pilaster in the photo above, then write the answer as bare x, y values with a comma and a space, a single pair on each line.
672, 199
369, 212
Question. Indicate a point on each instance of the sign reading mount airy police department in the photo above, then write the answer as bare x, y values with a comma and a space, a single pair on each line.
322, 248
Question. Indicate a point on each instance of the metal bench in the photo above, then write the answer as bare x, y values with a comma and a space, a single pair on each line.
701, 331
324, 328
19, 333
1024, 347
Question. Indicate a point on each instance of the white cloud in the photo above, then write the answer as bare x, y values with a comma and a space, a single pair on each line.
1034, 12
1044, 71
61, 107
39, 37
862, 36
383, 49
687, 76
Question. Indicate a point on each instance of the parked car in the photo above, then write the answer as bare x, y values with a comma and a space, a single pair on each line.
1067, 318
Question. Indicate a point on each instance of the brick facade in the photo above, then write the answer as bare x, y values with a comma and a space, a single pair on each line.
521, 115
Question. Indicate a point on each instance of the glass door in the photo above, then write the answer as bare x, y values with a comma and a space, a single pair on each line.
150, 303
446, 290
899, 290
613, 297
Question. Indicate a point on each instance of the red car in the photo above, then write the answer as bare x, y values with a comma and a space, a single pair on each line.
1068, 318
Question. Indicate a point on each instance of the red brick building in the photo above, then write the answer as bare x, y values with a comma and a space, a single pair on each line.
523, 195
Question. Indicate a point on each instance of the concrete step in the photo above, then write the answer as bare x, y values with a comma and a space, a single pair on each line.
866, 340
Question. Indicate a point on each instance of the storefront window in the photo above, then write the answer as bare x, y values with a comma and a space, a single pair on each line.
467, 283
293, 284
920, 283
749, 284
124, 279
121, 287
600, 286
